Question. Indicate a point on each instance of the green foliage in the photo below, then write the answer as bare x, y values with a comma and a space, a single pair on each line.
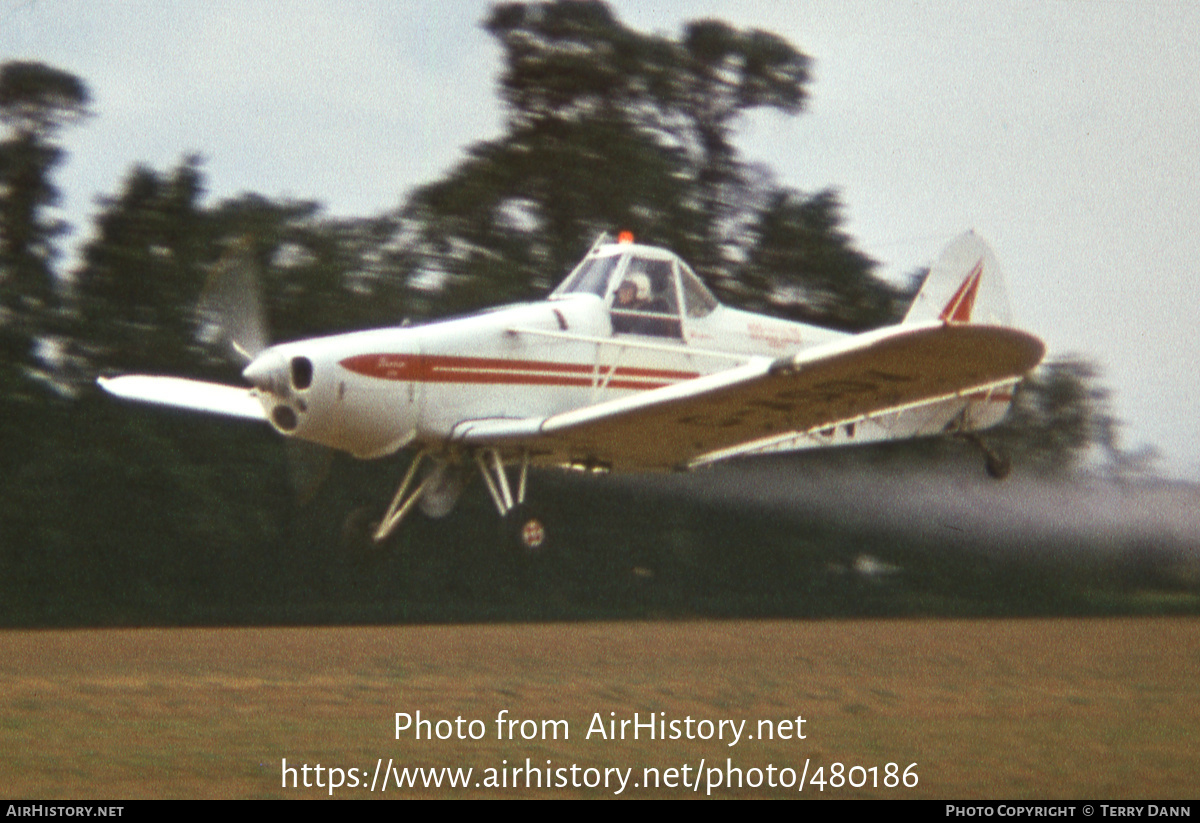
135, 294
575, 62
612, 128
136, 515
36, 101
1060, 415
320, 276
803, 266
511, 221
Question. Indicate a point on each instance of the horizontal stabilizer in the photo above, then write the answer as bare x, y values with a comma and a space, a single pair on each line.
181, 393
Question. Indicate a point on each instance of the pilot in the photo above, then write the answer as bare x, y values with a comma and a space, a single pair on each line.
634, 293
634, 296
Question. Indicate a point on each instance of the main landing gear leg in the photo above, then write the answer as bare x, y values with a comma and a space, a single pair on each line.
401, 505
525, 530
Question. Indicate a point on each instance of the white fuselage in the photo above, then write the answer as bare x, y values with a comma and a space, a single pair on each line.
631, 364
373, 392
628, 319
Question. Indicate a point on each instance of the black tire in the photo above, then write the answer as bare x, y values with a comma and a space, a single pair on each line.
998, 465
526, 533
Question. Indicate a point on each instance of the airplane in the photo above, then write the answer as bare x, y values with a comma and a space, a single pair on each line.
630, 365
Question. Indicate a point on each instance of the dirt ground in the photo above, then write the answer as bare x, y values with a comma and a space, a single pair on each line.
984, 709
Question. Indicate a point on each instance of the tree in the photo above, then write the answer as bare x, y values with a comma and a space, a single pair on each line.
612, 128
36, 101
1059, 416
575, 62
803, 266
512, 219
727, 72
136, 292
320, 275
138, 295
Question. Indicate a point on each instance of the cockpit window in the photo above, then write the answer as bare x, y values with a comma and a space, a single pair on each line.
655, 286
697, 297
646, 290
645, 301
591, 277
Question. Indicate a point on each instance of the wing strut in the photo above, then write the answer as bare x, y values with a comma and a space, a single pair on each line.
495, 478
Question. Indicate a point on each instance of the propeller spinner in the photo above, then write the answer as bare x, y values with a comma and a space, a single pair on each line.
235, 315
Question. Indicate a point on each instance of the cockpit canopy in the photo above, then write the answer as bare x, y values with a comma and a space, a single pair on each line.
648, 290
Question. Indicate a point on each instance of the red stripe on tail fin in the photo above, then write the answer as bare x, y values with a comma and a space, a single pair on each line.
958, 310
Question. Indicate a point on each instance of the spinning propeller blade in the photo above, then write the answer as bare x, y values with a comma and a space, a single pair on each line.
232, 304
233, 307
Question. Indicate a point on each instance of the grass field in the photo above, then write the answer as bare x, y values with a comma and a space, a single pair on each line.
1002, 709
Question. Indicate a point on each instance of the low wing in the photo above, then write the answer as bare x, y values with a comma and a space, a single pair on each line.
181, 393
694, 422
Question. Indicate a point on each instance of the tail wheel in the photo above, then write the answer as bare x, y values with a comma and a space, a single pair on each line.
996, 462
998, 465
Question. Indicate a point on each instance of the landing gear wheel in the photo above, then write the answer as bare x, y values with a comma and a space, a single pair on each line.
526, 532
998, 465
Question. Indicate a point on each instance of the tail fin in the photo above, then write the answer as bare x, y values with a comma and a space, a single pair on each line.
964, 286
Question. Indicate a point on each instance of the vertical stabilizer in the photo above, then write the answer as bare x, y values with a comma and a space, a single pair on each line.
964, 286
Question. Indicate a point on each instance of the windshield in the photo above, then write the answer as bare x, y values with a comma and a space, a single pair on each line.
648, 281
696, 295
591, 277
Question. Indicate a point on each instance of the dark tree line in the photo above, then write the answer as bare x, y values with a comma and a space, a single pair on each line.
610, 127
607, 128
36, 103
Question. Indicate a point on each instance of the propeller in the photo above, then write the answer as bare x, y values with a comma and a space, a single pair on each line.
233, 315
232, 307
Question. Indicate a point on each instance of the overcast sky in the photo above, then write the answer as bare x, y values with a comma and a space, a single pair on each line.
1066, 133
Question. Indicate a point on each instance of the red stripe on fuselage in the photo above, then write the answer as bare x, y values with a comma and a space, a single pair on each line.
419, 368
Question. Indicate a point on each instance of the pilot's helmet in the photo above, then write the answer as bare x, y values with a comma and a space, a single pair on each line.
640, 282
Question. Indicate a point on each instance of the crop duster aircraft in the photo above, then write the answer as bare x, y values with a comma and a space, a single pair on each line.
630, 365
